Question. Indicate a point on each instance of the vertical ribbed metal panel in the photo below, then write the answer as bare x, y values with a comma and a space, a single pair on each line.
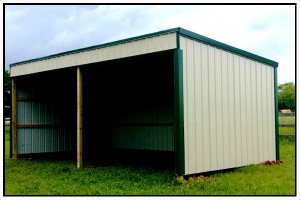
149, 137
143, 137
127, 49
219, 107
31, 111
225, 95
228, 109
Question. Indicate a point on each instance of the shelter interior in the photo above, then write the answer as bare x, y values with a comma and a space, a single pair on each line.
128, 110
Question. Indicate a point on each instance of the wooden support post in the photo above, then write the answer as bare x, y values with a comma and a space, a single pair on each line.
79, 118
14, 119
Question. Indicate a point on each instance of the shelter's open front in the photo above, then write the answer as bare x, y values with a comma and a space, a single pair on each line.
127, 115
129, 110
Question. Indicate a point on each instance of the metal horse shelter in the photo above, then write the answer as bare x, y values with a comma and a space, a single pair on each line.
212, 105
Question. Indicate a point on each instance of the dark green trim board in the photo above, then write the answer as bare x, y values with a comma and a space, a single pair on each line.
179, 32
177, 40
276, 114
178, 112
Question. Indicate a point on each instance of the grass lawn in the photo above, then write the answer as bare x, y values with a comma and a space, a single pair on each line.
53, 177
286, 120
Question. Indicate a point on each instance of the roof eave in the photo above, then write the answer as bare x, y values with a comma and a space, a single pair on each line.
98, 46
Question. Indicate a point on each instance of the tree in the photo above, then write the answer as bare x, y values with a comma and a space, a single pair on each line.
286, 96
7, 99
7, 82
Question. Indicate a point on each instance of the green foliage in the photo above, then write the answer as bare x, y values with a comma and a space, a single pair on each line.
7, 82
286, 96
54, 177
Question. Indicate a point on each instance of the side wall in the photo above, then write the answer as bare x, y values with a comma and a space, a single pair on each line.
228, 109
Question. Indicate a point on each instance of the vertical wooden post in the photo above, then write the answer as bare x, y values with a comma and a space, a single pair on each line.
14, 119
79, 118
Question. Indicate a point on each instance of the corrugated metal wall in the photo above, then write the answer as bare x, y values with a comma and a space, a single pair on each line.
41, 121
228, 109
144, 127
142, 137
127, 49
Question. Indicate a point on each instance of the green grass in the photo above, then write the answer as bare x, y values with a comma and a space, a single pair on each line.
286, 131
53, 177
286, 120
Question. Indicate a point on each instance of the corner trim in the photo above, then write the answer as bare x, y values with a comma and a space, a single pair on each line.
178, 112
276, 114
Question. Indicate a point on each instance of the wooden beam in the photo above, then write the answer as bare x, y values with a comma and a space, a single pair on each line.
286, 125
79, 118
39, 125
286, 114
25, 99
14, 119
145, 124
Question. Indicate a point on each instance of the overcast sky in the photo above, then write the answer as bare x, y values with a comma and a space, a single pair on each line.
36, 31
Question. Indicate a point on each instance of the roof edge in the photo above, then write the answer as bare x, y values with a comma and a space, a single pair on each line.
97, 46
215, 43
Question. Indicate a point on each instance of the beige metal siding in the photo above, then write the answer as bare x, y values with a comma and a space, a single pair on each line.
228, 109
131, 48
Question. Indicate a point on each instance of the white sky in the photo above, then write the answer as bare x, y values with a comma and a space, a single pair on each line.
36, 31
